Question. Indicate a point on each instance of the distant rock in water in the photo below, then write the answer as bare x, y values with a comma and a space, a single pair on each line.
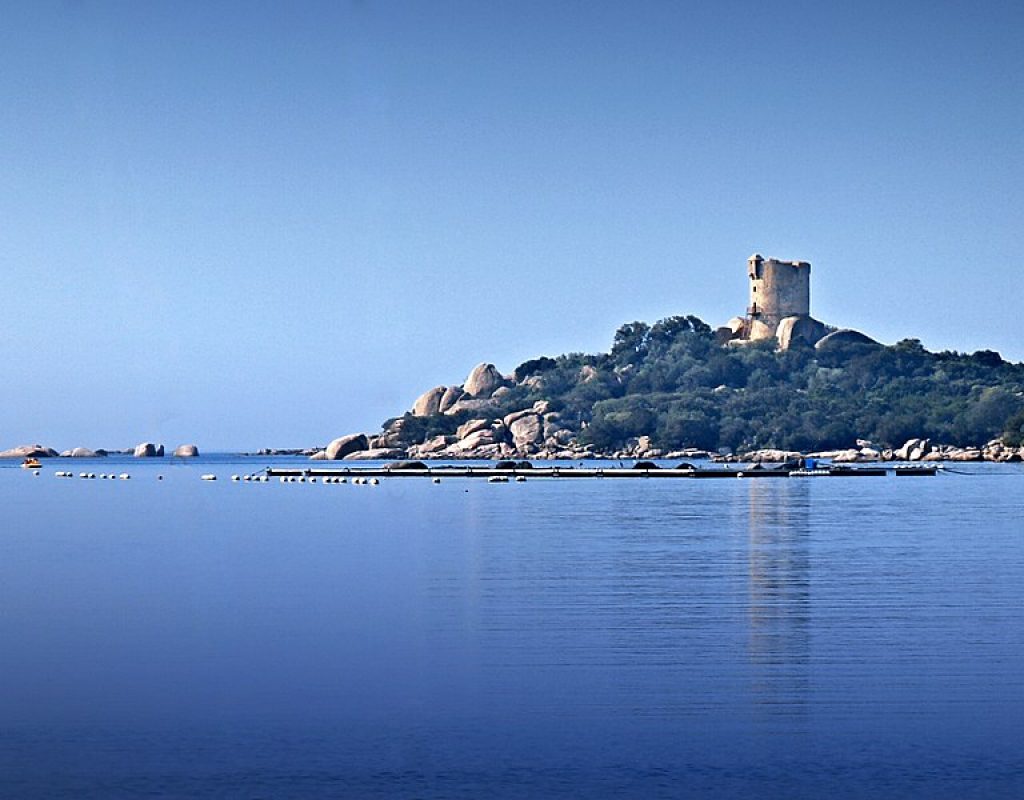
186, 451
148, 450
83, 452
345, 445
483, 381
29, 451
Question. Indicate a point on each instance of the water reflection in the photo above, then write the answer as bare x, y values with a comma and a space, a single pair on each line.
778, 594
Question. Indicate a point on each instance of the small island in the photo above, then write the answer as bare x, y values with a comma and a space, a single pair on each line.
771, 384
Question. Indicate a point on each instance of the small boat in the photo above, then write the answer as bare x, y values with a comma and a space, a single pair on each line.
31, 463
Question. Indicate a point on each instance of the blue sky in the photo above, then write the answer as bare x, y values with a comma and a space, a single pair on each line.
268, 224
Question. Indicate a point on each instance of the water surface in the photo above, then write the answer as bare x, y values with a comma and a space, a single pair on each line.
777, 638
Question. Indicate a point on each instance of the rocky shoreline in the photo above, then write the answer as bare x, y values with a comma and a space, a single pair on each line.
539, 432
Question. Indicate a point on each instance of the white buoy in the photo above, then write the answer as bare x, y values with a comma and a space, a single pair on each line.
374, 482
236, 478
83, 474
35, 472
208, 477
312, 480
520, 479
124, 476
341, 480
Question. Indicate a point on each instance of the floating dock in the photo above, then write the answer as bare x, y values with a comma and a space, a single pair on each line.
572, 473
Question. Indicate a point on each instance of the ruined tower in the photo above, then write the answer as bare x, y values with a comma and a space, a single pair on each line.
779, 306
778, 289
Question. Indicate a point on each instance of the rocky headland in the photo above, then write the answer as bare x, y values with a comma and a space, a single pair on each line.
679, 390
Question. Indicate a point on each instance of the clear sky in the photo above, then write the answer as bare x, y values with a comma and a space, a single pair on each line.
268, 224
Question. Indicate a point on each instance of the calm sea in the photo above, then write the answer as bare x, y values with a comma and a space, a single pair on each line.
816, 638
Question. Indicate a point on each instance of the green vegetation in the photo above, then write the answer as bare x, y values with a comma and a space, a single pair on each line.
673, 382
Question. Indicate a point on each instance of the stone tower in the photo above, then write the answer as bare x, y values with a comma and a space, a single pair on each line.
778, 289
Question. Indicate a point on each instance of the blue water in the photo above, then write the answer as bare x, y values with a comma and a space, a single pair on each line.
779, 638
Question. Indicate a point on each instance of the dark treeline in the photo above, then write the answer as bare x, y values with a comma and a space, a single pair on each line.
673, 382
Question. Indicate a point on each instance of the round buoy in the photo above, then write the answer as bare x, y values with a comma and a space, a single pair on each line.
125, 476
208, 477
374, 482
437, 480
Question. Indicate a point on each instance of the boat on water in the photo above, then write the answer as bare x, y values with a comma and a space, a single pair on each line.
31, 463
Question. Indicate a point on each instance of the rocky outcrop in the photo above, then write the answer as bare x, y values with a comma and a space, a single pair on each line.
148, 450
186, 451
429, 403
483, 381
346, 445
29, 451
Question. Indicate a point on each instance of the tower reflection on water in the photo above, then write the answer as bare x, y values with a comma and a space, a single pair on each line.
779, 595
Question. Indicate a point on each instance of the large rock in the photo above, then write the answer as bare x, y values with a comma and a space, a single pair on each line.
431, 446
346, 445
474, 425
429, 403
482, 438
805, 330
913, 450
477, 407
186, 451
842, 338
377, 454
29, 451
451, 396
526, 430
148, 450
483, 380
